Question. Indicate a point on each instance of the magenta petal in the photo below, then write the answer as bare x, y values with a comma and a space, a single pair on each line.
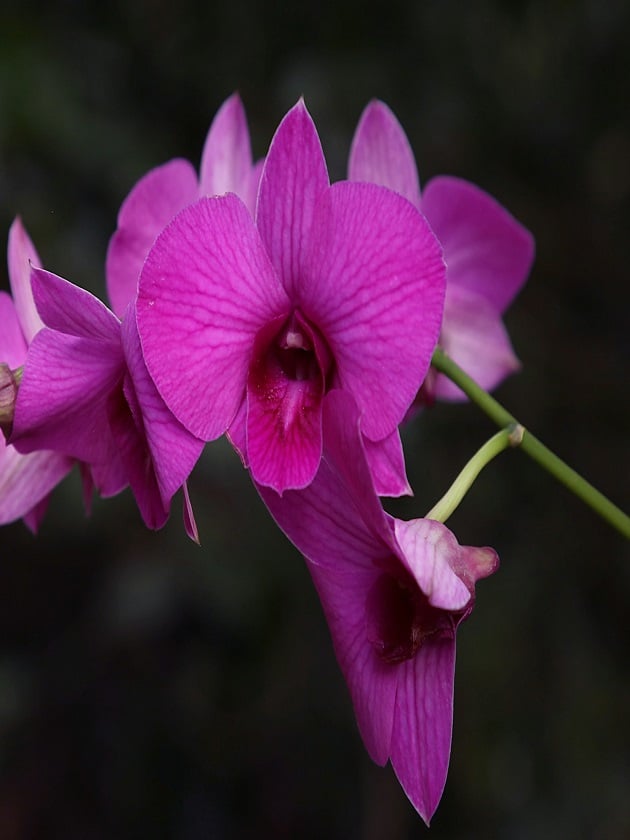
21, 256
284, 437
486, 250
293, 178
149, 207
25, 480
431, 551
387, 466
374, 286
284, 398
237, 433
34, 518
190, 525
423, 724
381, 154
109, 475
174, 451
132, 446
371, 681
62, 398
336, 520
12, 343
206, 290
72, 310
475, 337
226, 161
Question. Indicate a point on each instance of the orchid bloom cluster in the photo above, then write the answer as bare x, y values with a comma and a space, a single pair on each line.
299, 318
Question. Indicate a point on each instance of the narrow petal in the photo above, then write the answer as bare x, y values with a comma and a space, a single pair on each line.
226, 161
486, 250
149, 207
237, 433
293, 178
25, 480
21, 256
381, 154
190, 524
34, 518
423, 724
475, 337
206, 290
374, 286
387, 466
431, 551
109, 476
136, 457
71, 310
62, 398
372, 682
174, 451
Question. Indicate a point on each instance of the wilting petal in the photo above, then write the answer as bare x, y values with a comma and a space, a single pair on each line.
72, 310
374, 285
293, 178
174, 451
423, 724
387, 465
475, 338
381, 154
486, 250
430, 551
149, 207
21, 256
226, 161
61, 402
206, 289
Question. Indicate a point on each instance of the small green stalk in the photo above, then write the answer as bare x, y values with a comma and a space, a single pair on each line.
512, 435
533, 447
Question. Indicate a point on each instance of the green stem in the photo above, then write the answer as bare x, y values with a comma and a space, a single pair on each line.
533, 447
510, 436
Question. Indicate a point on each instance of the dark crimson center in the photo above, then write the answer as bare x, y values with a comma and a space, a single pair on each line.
399, 617
295, 353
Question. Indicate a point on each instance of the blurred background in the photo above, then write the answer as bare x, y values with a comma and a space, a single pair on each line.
151, 688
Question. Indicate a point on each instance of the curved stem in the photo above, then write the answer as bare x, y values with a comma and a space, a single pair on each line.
534, 447
510, 436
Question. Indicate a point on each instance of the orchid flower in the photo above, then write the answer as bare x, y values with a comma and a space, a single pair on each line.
86, 393
488, 253
226, 166
25, 480
246, 325
393, 593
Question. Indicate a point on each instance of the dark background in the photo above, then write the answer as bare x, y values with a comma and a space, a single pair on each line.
152, 689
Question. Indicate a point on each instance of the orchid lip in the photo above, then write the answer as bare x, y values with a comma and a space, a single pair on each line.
399, 618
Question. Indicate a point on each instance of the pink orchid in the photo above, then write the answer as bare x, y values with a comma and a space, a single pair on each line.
393, 593
226, 166
488, 253
25, 480
86, 393
246, 325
